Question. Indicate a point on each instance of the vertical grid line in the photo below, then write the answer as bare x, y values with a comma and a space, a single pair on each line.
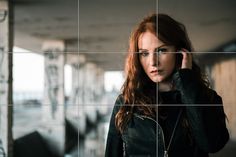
157, 101
78, 75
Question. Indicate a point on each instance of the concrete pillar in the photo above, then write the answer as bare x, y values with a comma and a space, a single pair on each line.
76, 79
91, 83
99, 85
53, 106
82, 79
6, 103
75, 84
224, 77
89, 91
75, 108
81, 111
91, 88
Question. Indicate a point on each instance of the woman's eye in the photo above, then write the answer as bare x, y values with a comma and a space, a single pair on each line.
144, 53
161, 50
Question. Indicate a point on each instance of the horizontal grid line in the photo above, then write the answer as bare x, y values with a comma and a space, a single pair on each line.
100, 52
39, 52
112, 104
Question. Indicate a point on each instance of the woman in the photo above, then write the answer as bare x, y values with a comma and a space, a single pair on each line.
188, 121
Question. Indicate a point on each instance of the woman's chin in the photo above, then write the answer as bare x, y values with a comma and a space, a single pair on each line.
157, 79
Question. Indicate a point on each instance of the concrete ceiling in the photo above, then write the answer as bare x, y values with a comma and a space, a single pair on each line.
210, 23
40, 20
103, 27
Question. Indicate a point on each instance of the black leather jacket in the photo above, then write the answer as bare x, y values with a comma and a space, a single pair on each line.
201, 128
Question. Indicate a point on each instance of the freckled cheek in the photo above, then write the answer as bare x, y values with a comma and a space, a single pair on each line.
171, 64
162, 61
168, 63
144, 63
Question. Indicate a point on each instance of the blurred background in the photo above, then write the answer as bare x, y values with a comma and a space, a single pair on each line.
61, 68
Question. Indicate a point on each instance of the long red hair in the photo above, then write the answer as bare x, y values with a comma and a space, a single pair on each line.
138, 91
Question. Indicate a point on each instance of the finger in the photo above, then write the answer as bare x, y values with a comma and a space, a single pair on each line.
187, 59
189, 54
184, 50
185, 55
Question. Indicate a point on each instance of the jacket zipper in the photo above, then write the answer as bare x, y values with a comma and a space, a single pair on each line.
142, 117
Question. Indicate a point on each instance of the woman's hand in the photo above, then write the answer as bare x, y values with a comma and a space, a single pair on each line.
187, 59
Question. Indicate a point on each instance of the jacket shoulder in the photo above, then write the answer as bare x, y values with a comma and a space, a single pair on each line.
118, 103
119, 99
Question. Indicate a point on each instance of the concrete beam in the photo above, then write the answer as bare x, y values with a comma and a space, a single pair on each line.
6, 104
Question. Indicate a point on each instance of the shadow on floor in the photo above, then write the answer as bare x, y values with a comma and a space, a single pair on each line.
228, 151
32, 145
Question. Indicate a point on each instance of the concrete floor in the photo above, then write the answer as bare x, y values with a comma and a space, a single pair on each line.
228, 151
22, 116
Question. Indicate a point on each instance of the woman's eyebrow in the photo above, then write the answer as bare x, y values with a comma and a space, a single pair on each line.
147, 49
141, 49
162, 46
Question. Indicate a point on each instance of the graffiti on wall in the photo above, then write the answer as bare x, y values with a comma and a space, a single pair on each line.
75, 89
2, 76
3, 15
52, 78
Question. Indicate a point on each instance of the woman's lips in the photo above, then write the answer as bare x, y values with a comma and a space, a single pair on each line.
156, 72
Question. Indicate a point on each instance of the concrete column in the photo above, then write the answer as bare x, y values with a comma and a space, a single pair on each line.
53, 106
81, 100
76, 79
82, 79
225, 85
100, 85
89, 91
75, 106
75, 84
91, 88
6, 104
100, 92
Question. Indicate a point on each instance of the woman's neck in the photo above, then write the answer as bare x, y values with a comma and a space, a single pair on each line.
165, 86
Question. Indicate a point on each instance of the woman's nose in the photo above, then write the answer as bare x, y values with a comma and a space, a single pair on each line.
154, 59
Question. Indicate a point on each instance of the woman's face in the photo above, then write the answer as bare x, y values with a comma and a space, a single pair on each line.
156, 58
